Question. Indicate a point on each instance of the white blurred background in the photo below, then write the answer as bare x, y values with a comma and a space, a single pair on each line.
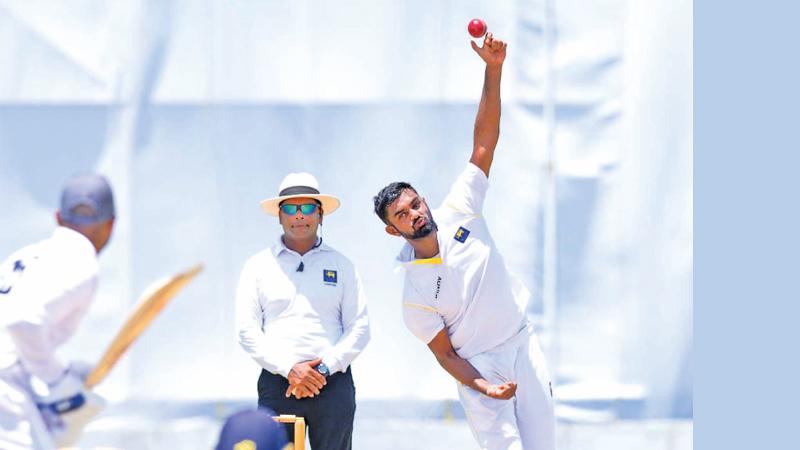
196, 109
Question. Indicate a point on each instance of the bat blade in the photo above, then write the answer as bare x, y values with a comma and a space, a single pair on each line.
149, 305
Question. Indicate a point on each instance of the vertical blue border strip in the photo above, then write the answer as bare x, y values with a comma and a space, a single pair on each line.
746, 209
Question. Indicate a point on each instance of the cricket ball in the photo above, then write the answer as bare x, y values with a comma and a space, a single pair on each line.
476, 28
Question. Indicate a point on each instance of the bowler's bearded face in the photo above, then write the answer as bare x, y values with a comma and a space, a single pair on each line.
410, 216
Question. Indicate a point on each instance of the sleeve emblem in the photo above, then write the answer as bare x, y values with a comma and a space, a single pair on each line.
461, 234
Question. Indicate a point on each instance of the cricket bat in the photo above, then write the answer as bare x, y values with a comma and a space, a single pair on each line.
149, 305
71, 423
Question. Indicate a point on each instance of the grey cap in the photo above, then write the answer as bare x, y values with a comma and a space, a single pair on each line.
87, 199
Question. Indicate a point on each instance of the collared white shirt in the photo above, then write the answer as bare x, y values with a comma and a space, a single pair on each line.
285, 316
45, 290
466, 288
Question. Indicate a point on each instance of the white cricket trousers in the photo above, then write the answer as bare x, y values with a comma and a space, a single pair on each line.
525, 422
21, 425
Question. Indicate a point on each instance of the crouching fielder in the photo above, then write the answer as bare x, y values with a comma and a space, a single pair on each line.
460, 299
45, 290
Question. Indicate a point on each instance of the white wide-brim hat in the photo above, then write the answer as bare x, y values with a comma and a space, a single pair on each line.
300, 185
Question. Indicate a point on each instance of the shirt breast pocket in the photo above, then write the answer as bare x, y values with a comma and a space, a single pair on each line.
321, 300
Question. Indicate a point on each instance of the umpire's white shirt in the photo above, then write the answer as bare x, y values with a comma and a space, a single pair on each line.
284, 316
45, 290
466, 288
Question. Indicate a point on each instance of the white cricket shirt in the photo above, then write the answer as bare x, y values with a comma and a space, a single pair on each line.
45, 290
285, 316
466, 288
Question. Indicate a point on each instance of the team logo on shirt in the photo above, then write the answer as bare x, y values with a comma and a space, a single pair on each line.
329, 276
461, 234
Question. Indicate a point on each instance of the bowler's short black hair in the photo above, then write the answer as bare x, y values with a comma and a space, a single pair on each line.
388, 195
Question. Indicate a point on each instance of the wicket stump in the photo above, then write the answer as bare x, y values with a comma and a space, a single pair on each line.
299, 429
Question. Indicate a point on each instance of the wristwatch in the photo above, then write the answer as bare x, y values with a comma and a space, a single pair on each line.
323, 369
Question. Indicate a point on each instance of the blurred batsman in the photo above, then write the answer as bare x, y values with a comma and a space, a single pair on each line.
301, 314
459, 298
45, 290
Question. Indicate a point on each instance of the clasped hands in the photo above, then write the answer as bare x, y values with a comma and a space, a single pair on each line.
304, 380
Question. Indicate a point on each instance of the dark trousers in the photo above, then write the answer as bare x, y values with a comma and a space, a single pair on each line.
329, 415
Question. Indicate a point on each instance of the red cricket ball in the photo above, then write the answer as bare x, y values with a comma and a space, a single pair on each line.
476, 28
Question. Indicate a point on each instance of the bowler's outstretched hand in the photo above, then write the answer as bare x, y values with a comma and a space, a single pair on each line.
493, 51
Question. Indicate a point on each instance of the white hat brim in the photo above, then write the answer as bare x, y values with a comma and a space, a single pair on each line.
329, 203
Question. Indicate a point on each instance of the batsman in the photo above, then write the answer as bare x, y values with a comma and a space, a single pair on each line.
459, 298
45, 290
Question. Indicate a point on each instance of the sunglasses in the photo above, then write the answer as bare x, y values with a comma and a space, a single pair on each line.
306, 209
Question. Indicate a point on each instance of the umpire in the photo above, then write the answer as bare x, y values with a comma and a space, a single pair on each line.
301, 314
